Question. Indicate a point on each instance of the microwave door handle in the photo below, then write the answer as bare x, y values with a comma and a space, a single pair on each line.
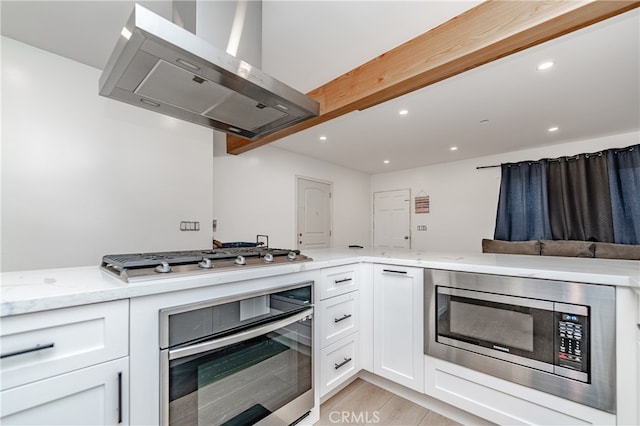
239, 337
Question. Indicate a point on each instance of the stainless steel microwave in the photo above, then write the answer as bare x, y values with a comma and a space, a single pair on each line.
554, 336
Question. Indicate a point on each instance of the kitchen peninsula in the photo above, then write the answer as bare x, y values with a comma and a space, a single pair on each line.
130, 311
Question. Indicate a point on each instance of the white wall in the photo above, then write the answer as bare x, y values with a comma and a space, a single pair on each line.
463, 200
254, 193
83, 176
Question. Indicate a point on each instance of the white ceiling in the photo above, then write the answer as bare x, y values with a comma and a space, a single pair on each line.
594, 89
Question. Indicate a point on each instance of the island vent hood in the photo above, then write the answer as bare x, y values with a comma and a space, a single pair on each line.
162, 67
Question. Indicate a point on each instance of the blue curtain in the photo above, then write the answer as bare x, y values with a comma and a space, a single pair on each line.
624, 186
523, 210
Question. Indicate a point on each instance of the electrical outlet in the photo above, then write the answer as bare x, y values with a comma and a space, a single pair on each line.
421, 228
215, 225
186, 225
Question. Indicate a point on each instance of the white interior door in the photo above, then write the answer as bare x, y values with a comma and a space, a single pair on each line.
314, 214
392, 219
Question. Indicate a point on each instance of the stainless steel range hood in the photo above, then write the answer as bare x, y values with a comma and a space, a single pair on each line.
162, 67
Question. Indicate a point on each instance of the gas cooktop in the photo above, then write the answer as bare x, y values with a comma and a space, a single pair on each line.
140, 266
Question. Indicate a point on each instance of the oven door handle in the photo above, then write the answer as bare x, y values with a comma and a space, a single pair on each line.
210, 345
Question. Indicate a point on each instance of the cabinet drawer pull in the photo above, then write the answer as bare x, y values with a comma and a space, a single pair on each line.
26, 351
394, 272
343, 363
119, 396
344, 280
346, 316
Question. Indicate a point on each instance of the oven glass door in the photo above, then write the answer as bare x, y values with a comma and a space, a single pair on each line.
243, 378
507, 327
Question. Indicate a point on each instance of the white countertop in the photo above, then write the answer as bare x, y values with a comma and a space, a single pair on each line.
37, 290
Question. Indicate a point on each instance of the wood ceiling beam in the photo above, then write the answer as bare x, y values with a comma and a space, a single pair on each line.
489, 31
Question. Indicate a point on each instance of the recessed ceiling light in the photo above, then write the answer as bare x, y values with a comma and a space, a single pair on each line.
454, 148
553, 129
323, 138
386, 161
484, 121
126, 33
545, 65
403, 112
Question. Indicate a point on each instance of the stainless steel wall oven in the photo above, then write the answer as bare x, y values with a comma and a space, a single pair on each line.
554, 336
238, 361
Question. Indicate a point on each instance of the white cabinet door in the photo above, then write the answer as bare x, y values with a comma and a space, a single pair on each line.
95, 395
398, 325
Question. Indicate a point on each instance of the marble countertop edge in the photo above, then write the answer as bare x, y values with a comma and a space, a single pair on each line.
31, 291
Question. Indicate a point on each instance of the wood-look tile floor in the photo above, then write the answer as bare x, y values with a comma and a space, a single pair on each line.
362, 403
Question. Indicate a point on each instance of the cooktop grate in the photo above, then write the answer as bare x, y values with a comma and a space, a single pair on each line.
137, 260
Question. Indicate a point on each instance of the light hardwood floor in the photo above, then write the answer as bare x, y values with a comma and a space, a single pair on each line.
362, 403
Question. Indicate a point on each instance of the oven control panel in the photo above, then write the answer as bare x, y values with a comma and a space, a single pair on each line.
572, 341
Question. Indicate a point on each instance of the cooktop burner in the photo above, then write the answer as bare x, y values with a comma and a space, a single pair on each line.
138, 266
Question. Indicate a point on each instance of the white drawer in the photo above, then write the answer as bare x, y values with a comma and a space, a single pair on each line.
43, 344
338, 280
338, 318
338, 362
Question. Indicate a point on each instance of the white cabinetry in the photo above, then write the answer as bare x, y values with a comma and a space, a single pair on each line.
89, 396
338, 280
503, 402
339, 323
398, 352
66, 366
338, 362
338, 316
627, 355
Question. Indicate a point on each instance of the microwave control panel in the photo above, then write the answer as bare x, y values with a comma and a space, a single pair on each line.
572, 341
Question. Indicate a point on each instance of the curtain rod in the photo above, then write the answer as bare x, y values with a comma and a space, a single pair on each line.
573, 157
550, 160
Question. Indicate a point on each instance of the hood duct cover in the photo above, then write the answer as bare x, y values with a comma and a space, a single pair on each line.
162, 67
